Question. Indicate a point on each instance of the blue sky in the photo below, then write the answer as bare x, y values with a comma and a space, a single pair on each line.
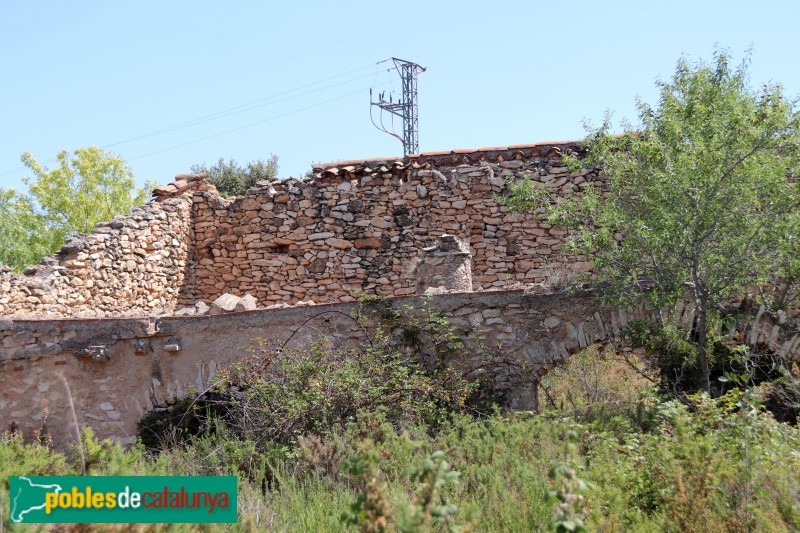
98, 73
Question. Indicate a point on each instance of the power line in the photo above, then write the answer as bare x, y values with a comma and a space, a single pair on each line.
230, 111
234, 111
249, 125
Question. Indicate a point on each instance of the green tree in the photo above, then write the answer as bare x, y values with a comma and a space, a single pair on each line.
700, 199
88, 187
26, 236
83, 190
232, 179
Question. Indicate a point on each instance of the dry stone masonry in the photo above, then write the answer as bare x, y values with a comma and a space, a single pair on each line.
356, 226
148, 307
445, 267
134, 265
363, 226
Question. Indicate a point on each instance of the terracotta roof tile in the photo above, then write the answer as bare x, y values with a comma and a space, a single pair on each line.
452, 157
182, 182
355, 162
544, 143
430, 154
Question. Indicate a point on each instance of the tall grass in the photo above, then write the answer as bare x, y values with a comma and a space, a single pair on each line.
653, 463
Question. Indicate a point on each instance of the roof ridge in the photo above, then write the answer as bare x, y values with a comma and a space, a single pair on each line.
424, 156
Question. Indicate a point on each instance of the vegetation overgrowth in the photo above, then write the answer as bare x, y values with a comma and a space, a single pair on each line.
233, 179
700, 200
315, 449
620, 458
404, 430
89, 186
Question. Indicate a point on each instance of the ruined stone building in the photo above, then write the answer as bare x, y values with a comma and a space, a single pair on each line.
113, 323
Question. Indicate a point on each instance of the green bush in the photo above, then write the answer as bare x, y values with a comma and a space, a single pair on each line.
404, 369
711, 464
289, 424
19, 458
190, 417
612, 391
315, 392
233, 179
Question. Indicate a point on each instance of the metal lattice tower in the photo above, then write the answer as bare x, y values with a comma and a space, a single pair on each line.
406, 108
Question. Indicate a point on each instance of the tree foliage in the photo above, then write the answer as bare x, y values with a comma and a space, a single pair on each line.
232, 179
701, 198
87, 187
26, 236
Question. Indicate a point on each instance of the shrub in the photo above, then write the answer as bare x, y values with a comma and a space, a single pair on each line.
281, 397
233, 179
713, 465
429, 510
404, 369
782, 397
672, 352
19, 458
604, 387
190, 417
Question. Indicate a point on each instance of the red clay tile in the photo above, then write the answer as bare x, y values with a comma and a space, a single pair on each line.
457, 156
432, 154
540, 144
356, 162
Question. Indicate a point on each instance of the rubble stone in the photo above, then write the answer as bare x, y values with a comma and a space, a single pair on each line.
353, 227
246, 303
225, 304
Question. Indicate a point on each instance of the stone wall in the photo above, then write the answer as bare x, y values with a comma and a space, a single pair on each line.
445, 266
356, 226
362, 227
429, 223
132, 264
115, 370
